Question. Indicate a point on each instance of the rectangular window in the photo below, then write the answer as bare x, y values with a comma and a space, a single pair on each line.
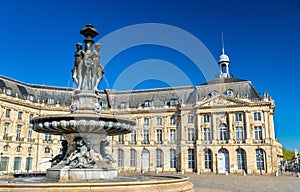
207, 159
190, 119
257, 132
20, 114
172, 158
28, 166
239, 133
159, 121
7, 113
48, 137
132, 158
19, 130
257, 116
146, 136
191, 134
206, 134
146, 122
4, 164
29, 135
121, 139
238, 117
172, 121
159, 158
206, 118
120, 158
17, 164
223, 133
172, 135
61, 138
191, 158
158, 135
6, 130
133, 137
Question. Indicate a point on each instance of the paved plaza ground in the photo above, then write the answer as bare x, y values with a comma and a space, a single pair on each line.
248, 183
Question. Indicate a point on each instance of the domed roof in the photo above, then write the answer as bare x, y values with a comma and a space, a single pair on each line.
223, 58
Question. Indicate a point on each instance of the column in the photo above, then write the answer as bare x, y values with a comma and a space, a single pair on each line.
248, 127
266, 127
230, 129
198, 128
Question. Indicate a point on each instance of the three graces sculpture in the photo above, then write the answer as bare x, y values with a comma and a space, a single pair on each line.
88, 71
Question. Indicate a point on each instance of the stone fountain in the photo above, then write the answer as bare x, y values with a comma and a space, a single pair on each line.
85, 164
84, 155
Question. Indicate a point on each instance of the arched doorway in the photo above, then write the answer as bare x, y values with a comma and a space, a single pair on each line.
223, 161
145, 160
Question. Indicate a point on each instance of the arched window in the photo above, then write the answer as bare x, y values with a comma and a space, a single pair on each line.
260, 159
5, 148
159, 158
172, 158
19, 148
241, 159
132, 158
224, 68
47, 150
120, 158
207, 159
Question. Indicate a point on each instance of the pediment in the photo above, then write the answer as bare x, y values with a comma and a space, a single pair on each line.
221, 101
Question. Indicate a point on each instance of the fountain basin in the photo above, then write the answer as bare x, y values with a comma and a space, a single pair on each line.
81, 123
150, 183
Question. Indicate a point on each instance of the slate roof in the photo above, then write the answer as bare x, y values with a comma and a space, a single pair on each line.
135, 98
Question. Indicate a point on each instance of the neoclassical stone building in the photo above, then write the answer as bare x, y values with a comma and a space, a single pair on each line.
221, 126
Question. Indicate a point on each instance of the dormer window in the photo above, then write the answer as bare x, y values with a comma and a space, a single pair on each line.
31, 97
50, 101
213, 93
123, 105
229, 92
104, 105
173, 102
147, 103
257, 116
8, 91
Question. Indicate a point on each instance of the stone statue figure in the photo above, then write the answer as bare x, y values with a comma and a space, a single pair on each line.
58, 158
98, 70
78, 70
104, 153
80, 158
88, 71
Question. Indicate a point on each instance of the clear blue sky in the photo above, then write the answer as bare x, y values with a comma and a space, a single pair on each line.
262, 39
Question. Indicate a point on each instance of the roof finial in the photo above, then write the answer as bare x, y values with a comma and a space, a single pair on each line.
223, 52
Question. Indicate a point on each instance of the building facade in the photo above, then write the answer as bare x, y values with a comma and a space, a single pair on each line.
222, 126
